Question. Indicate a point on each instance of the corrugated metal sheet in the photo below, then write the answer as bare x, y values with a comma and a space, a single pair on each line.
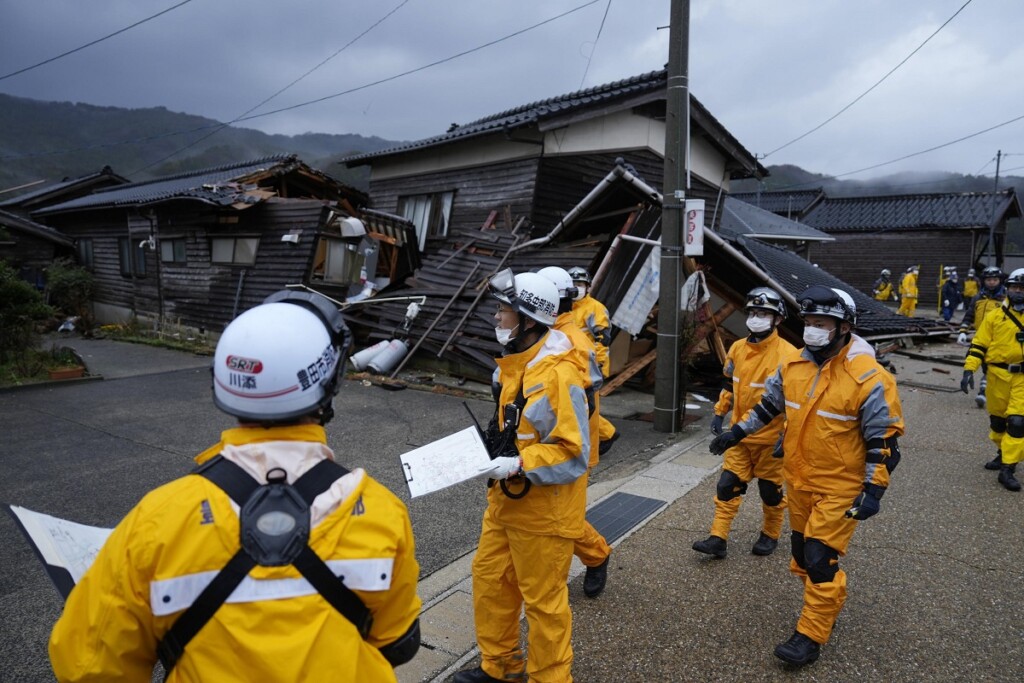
740, 218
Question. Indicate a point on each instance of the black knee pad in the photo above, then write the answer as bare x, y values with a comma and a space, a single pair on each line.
771, 493
822, 561
730, 486
796, 544
1015, 426
997, 424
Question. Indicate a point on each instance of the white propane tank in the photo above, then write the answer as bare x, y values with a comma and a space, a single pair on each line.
387, 359
359, 360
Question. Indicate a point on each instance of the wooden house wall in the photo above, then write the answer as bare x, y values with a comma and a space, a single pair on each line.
858, 258
478, 191
30, 255
199, 293
564, 180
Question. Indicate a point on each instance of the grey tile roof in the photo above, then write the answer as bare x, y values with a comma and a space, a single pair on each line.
560, 105
16, 223
783, 202
740, 218
796, 275
57, 188
212, 185
950, 210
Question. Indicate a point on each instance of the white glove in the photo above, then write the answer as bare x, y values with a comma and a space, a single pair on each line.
960, 306
895, 298
502, 467
945, 303
962, 339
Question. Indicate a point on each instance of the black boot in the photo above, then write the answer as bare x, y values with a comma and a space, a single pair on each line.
798, 650
712, 545
476, 675
765, 545
995, 463
1007, 479
595, 578
606, 445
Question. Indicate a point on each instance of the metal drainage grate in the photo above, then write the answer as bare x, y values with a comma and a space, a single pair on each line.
621, 512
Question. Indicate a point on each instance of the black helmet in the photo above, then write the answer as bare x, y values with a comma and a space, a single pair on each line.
992, 271
835, 303
767, 299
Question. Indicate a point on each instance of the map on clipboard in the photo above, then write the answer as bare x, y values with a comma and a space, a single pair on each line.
66, 549
448, 461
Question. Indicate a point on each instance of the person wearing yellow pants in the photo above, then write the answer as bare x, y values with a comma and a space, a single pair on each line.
908, 292
999, 345
537, 491
748, 364
592, 548
843, 420
592, 317
991, 297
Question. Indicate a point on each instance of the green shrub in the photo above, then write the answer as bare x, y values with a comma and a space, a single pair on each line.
71, 288
21, 309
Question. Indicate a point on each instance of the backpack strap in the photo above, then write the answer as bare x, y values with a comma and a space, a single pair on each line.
235, 482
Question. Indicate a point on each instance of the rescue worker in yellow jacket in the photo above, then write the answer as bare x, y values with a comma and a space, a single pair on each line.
747, 365
990, 298
592, 317
883, 290
971, 285
535, 511
999, 345
592, 548
158, 588
908, 292
843, 419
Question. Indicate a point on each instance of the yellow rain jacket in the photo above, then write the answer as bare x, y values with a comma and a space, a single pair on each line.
584, 357
882, 290
747, 366
996, 341
971, 287
837, 416
553, 439
980, 306
592, 316
275, 626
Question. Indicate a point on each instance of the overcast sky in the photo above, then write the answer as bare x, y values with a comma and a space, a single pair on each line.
768, 71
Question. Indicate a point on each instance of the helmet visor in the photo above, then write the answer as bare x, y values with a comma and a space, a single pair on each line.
503, 285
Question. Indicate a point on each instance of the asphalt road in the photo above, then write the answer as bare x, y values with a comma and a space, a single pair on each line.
88, 451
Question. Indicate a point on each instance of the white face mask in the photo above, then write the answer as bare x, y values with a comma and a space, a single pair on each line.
581, 291
816, 338
504, 336
758, 325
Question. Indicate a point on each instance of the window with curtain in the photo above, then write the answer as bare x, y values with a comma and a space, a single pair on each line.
132, 256
430, 213
236, 250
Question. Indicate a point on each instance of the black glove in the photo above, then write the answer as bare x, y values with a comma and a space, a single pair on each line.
726, 440
867, 504
716, 424
777, 452
967, 381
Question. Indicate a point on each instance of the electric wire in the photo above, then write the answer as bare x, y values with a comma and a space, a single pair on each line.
909, 156
878, 83
94, 42
271, 97
450, 58
594, 49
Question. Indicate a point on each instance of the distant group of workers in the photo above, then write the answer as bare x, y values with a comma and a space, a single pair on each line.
952, 294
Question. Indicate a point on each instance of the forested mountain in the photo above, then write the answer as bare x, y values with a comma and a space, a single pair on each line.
51, 141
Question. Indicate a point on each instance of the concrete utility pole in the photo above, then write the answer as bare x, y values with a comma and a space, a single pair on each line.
992, 224
667, 389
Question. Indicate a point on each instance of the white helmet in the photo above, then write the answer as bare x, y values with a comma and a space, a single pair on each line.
531, 294
280, 360
561, 279
829, 301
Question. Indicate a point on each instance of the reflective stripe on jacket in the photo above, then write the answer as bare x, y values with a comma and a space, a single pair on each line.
584, 357
747, 366
836, 413
274, 626
553, 439
996, 340
592, 316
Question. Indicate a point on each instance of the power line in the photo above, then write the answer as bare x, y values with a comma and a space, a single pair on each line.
310, 102
878, 83
98, 40
594, 49
268, 99
909, 156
